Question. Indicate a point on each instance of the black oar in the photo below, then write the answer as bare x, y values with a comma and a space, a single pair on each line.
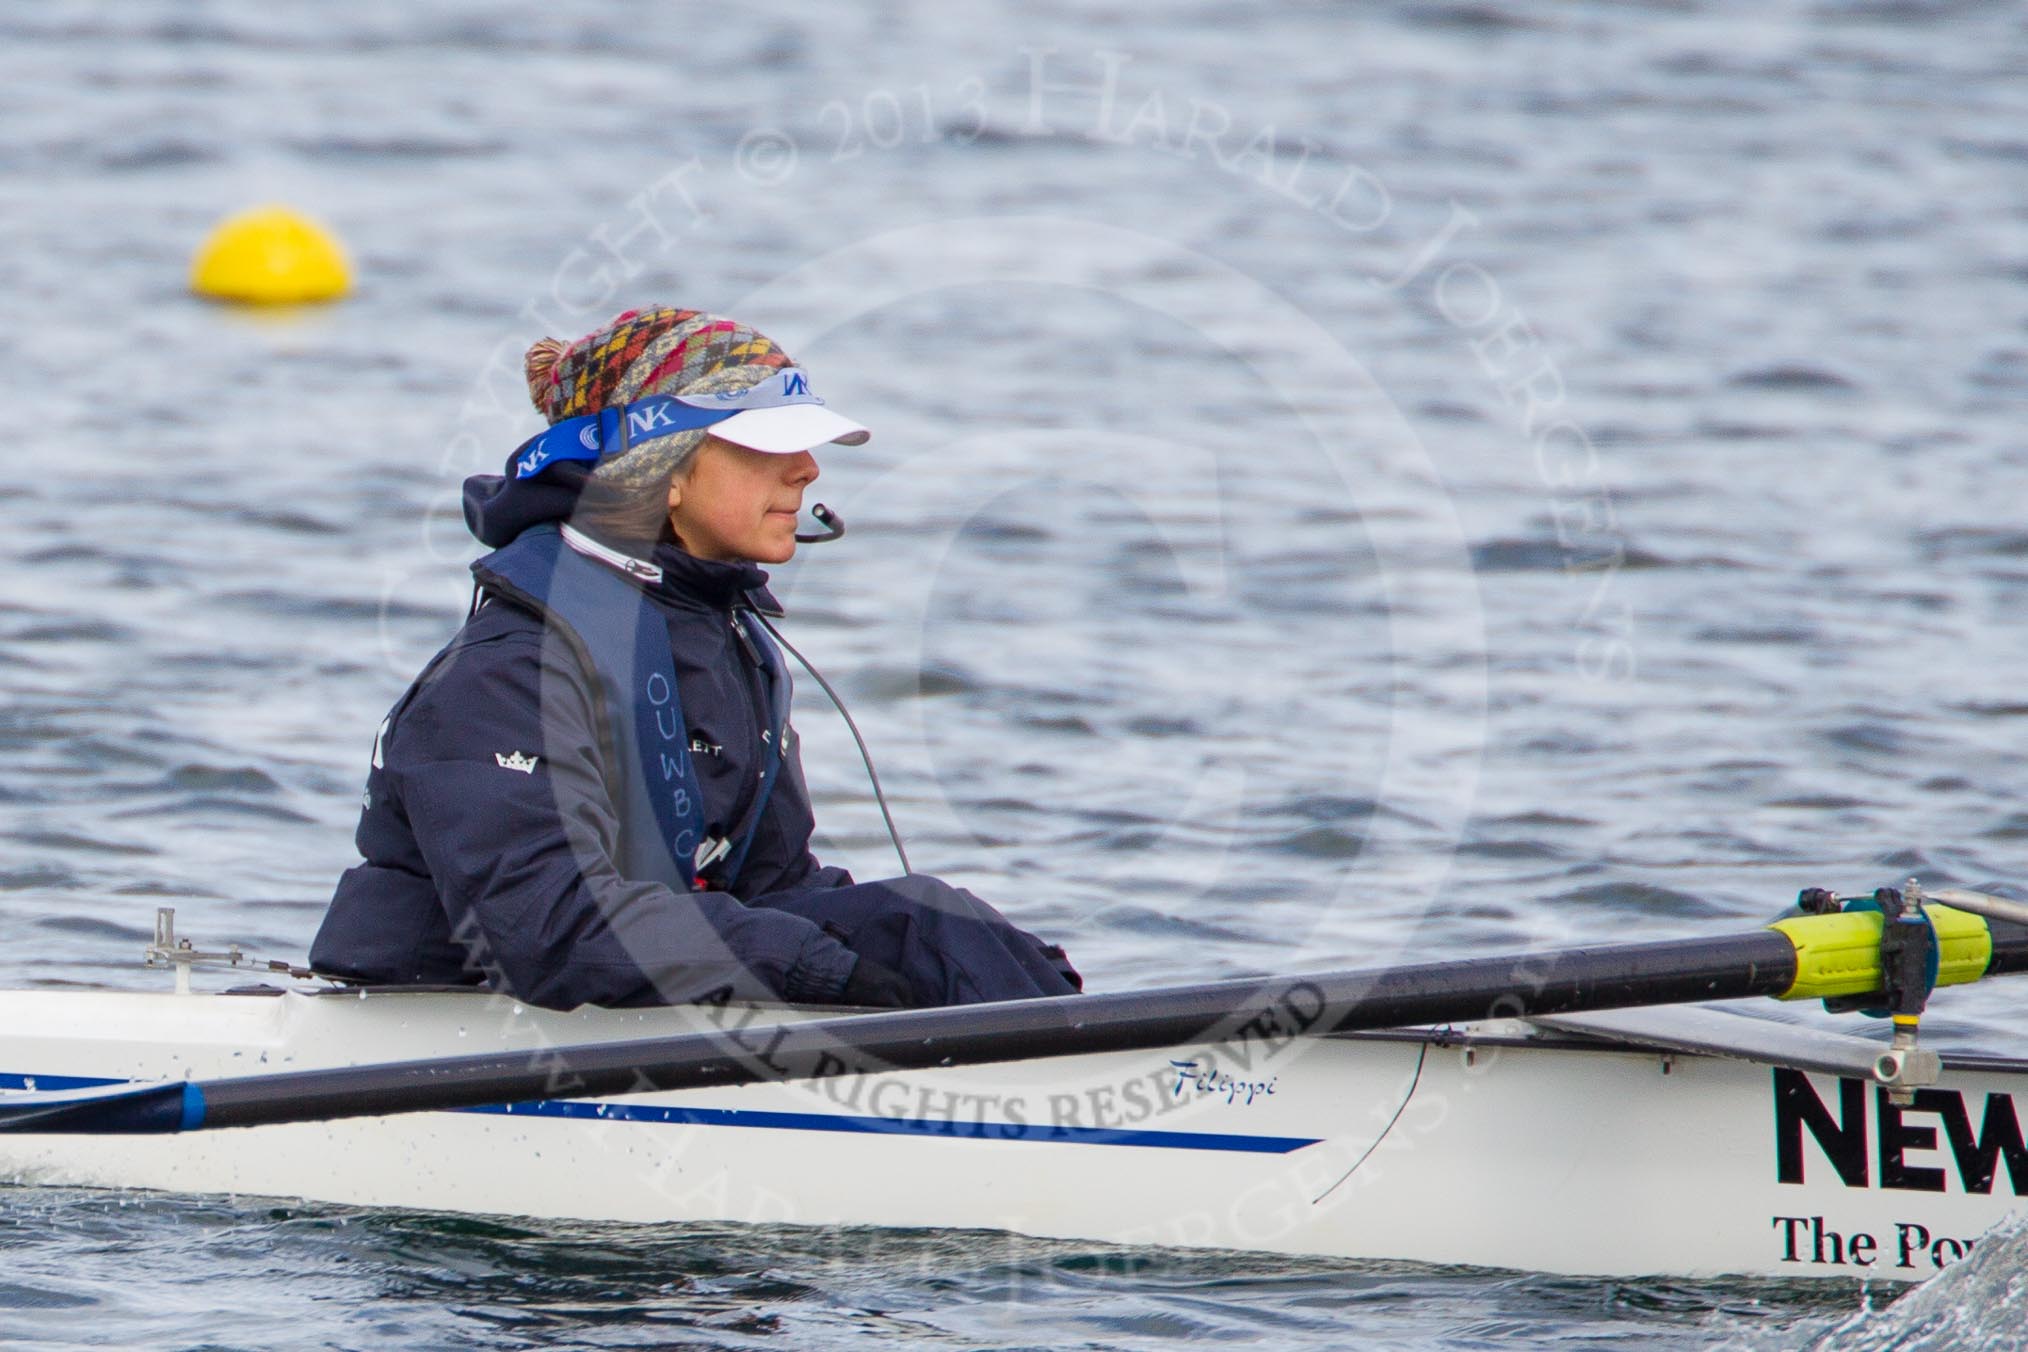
1805, 957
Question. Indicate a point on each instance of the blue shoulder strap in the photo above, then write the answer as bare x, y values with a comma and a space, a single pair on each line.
626, 646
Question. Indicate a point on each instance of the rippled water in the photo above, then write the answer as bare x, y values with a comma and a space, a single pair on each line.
1346, 479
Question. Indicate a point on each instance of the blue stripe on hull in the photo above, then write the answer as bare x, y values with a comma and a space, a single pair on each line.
52, 1083
900, 1126
880, 1126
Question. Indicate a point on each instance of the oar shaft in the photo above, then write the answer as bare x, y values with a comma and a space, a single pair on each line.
1272, 1011
1805, 957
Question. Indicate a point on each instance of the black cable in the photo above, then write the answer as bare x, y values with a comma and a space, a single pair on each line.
864, 755
1399, 1109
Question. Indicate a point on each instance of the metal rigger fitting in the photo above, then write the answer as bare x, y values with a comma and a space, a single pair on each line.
1909, 955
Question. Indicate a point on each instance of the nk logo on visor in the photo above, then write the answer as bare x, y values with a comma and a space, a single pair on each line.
595, 436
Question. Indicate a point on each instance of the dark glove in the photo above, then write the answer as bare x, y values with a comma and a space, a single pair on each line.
1060, 960
877, 987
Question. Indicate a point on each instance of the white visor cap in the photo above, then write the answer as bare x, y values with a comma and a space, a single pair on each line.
779, 415
790, 428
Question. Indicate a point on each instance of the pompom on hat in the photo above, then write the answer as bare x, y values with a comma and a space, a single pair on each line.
674, 352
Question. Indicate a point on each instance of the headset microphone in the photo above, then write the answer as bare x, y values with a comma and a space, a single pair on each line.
833, 526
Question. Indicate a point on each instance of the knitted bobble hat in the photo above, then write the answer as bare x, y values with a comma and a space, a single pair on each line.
643, 352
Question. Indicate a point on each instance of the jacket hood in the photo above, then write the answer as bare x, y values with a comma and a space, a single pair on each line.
498, 509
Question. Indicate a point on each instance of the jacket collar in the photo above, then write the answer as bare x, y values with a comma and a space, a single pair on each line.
682, 579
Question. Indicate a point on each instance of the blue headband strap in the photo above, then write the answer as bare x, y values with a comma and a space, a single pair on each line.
595, 436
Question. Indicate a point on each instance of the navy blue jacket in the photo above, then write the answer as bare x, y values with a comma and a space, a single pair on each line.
476, 871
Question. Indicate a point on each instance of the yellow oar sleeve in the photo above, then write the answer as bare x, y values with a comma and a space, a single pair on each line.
1840, 954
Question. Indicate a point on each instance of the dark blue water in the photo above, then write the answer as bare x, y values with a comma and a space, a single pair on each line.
1441, 477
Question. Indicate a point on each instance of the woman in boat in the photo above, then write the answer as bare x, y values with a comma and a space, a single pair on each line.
593, 794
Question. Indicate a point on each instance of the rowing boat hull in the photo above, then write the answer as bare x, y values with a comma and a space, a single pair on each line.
1501, 1150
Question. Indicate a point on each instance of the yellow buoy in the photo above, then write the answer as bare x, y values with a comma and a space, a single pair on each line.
270, 256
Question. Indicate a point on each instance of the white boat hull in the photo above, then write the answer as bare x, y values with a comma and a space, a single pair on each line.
1546, 1156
